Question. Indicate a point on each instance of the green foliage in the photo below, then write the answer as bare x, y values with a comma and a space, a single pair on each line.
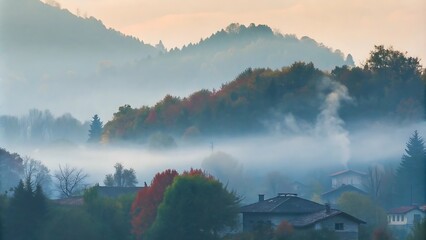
419, 231
195, 207
121, 178
26, 213
411, 174
364, 208
95, 131
112, 215
11, 167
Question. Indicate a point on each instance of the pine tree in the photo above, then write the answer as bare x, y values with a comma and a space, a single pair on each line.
95, 131
411, 174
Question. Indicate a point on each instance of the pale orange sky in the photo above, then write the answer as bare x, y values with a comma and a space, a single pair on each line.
351, 26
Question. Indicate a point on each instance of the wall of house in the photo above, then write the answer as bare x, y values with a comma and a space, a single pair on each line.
348, 179
405, 219
350, 228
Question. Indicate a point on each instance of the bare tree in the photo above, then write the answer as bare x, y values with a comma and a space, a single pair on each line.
70, 181
37, 174
374, 181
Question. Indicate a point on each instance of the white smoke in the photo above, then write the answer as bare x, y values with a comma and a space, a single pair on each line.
329, 125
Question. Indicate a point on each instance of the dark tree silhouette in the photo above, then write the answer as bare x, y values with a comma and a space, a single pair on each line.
95, 131
69, 181
26, 213
121, 178
411, 174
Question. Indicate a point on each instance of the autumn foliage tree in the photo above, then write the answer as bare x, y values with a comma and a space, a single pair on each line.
144, 207
196, 206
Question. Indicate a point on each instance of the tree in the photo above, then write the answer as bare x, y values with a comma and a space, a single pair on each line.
69, 181
145, 205
95, 131
37, 173
121, 178
195, 206
411, 174
26, 212
419, 231
362, 207
11, 168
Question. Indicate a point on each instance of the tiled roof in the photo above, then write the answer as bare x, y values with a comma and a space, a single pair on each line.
283, 204
313, 218
346, 171
344, 188
403, 209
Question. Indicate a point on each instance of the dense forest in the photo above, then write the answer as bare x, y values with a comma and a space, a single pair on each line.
389, 87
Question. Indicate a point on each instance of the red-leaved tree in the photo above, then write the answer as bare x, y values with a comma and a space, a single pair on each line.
144, 207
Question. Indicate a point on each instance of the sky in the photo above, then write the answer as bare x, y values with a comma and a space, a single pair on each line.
351, 26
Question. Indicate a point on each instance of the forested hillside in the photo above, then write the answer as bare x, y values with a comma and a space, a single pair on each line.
390, 86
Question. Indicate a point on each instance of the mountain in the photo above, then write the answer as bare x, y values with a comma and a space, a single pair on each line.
68, 63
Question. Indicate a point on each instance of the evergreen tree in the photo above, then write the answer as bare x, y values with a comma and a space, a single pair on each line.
95, 131
26, 212
411, 174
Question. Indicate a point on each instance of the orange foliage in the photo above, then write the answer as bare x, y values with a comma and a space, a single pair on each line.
145, 205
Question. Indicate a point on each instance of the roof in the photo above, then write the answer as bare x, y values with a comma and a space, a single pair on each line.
313, 218
403, 209
283, 204
345, 172
344, 188
71, 201
114, 192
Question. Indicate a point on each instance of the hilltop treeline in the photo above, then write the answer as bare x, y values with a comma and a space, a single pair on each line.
389, 86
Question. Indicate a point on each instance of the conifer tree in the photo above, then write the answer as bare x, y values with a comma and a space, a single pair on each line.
95, 131
411, 174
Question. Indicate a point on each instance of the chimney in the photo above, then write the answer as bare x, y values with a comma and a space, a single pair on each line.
327, 208
261, 197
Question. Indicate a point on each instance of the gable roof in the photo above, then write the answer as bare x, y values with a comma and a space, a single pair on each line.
346, 172
283, 204
313, 218
343, 188
403, 209
114, 192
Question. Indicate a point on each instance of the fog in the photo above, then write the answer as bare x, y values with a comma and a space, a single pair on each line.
294, 155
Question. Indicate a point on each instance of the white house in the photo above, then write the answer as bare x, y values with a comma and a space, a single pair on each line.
405, 216
348, 177
402, 219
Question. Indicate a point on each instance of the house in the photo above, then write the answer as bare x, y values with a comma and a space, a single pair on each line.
301, 214
402, 219
333, 195
348, 177
344, 181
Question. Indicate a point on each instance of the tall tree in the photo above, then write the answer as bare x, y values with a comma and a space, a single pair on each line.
26, 212
195, 206
411, 174
37, 173
145, 205
121, 178
95, 131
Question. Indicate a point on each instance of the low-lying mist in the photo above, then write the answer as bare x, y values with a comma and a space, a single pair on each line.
245, 164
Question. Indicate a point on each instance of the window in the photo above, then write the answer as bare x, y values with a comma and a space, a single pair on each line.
393, 218
397, 218
402, 218
338, 226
